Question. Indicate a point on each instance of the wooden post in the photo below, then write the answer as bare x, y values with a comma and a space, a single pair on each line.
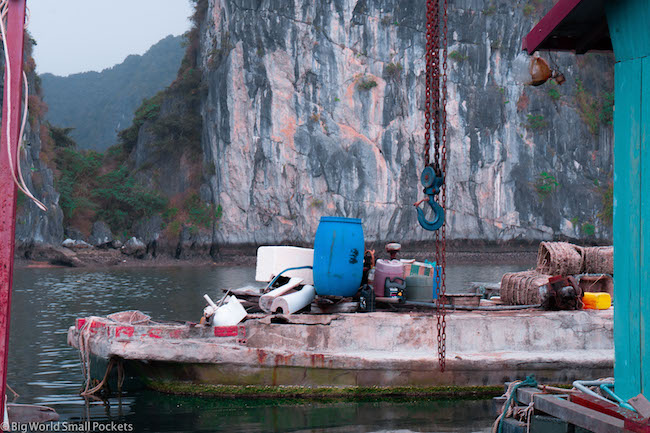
628, 26
15, 40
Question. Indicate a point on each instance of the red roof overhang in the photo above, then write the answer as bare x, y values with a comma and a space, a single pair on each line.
571, 25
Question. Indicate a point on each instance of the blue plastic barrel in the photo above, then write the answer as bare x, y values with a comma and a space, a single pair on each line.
338, 256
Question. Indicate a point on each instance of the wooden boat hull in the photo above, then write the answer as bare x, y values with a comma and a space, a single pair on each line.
362, 350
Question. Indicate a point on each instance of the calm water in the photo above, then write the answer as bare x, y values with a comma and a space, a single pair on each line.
44, 370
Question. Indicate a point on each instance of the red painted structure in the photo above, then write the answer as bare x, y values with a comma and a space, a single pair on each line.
15, 40
633, 421
571, 25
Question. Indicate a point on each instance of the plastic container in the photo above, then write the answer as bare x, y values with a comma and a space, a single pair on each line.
422, 288
419, 288
371, 277
275, 259
229, 314
386, 269
338, 256
596, 301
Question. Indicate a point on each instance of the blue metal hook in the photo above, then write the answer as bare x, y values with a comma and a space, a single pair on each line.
432, 181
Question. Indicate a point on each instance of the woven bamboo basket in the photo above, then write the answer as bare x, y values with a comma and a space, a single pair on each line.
599, 260
522, 288
559, 258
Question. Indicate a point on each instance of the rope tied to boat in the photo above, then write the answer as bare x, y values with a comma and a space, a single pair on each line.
510, 406
84, 354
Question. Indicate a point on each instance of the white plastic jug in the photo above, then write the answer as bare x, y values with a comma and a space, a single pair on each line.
229, 314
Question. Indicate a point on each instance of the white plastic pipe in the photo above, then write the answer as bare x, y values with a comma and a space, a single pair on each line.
583, 384
294, 301
210, 302
266, 300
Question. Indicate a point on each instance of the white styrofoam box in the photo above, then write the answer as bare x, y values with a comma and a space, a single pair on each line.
273, 260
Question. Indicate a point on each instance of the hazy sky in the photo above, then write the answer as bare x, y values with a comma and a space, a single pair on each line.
90, 35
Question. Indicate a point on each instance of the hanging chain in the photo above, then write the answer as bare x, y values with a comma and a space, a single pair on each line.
442, 349
428, 78
436, 119
436, 86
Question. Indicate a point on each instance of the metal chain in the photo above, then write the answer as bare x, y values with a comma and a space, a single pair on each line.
436, 85
435, 115
442, 349
428, 83
436, 124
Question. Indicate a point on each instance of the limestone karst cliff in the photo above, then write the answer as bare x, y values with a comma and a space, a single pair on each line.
285, 111
315, 108
36, 229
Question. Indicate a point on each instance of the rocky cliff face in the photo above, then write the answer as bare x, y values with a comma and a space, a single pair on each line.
97, 104
316, 108
35, 229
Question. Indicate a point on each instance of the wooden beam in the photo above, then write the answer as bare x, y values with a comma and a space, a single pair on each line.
589, 40
570, 412
644, 232
15, 39
627, 227
551, 20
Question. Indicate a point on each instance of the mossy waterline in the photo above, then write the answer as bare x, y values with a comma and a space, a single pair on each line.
324, 392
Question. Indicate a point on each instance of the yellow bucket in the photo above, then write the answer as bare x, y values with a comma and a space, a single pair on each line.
597, 301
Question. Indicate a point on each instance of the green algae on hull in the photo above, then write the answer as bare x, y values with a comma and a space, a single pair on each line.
325, 392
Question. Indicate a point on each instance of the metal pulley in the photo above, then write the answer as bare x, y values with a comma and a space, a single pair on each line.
432, 180
435, 117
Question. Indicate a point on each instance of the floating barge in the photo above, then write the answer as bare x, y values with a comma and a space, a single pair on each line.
362, 350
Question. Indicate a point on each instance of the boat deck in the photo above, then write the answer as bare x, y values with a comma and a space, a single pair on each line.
355, 349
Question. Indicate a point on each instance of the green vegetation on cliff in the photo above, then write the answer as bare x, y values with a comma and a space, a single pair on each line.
177, 127
95, 186
114, 188
96, 104
607, 197
594, 111
98, 187
173, 115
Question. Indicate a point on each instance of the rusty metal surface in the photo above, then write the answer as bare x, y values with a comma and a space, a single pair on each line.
641, 405
632, 421
384, 349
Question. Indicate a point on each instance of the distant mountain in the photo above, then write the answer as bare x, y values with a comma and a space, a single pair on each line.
98, 104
